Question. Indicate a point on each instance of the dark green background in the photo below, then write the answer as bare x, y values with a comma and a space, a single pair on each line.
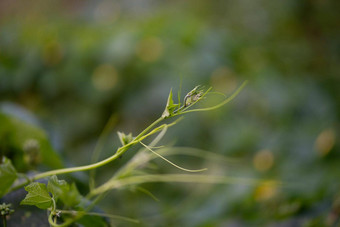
67, 66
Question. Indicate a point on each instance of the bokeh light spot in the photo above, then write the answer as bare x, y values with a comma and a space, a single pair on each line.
52, 53
325, 141
265, 191
32, 154
104, 77
149, 49
263, 160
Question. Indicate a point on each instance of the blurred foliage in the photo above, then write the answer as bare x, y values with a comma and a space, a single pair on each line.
27, 146
67, 66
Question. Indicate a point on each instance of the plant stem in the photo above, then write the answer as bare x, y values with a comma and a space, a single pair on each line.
79, 168
4, 221
149, 128
118, 153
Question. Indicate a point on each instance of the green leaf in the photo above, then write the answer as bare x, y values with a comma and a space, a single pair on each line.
68, 194
71, 197
37, 196
90, 220
170, 106
8, 175
56, 187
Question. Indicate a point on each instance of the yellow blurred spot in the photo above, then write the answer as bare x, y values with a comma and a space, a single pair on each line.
149, 49
52, 53
104, 77
266, 191
263, 160
223, 79
32, 154
325, 141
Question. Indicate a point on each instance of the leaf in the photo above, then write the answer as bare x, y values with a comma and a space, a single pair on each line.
170, 106
56, 187
68, 194
71, 197
90, 220
8, 175
37, 196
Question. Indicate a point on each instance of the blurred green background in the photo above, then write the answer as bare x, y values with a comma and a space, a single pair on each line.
66, 67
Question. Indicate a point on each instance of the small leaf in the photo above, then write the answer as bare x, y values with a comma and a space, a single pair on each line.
60, 189
170, 107
8, 175
37, 196
71, 197
56, 187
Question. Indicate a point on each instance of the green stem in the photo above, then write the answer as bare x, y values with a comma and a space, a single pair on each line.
80, 168
100, 215
148, 128
54, 204
78, 214
118, 153
4, 221
220, 104
137, 139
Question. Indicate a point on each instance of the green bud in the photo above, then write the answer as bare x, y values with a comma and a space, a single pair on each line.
193, 96
125, 139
